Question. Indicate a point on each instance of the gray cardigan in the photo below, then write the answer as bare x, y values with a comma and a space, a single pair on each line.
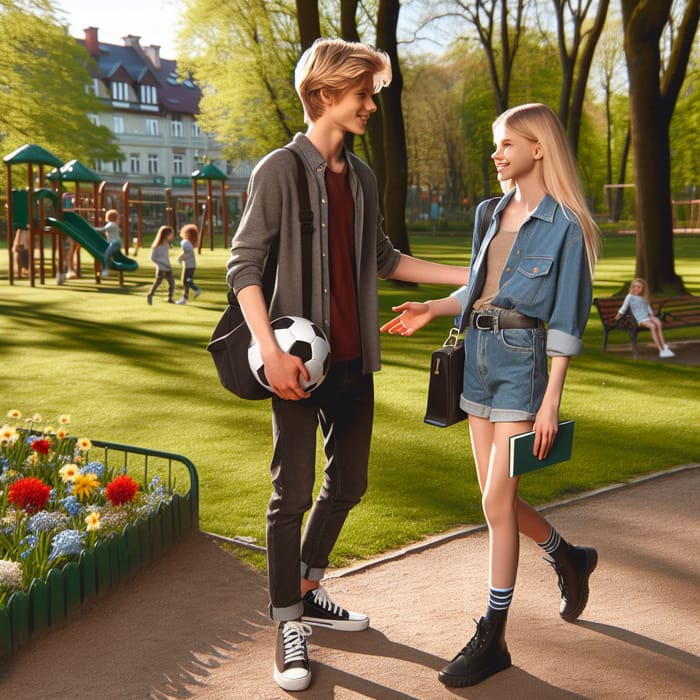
272, 210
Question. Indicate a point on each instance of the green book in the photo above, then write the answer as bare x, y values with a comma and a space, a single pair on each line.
521, 458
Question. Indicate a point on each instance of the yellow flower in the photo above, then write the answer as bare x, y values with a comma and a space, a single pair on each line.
61, 434
92, 520
64, 420
49, 430
14, 414
36, 418
85, 484
84, 444
8, 435
69, 472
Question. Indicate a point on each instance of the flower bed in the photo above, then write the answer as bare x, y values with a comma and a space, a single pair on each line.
77, 517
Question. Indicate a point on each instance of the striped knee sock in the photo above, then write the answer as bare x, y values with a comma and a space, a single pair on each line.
499, 602
555, 545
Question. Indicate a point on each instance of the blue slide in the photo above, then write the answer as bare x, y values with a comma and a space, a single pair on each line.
80, 230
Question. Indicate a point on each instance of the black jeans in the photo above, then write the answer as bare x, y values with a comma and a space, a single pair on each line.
343, 407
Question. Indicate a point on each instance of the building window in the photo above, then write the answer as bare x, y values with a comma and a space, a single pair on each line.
117, 166
134, 163
196, 131
120, 92
152, 127
153, 163
176, 127
178, 165
118, 123
149, 95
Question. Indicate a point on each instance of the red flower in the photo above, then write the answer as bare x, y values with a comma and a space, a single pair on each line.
41, 446
29, 494
121, 490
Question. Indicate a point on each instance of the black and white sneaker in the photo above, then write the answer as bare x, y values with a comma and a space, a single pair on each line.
320, 610
292, 671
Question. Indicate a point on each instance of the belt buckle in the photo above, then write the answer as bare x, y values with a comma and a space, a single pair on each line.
485, 328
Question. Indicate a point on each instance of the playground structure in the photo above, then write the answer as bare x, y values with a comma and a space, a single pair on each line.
47, 208
39, 209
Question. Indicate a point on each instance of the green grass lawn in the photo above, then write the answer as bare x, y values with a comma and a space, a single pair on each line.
140, 375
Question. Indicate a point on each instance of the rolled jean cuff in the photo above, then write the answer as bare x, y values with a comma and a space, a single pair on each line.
312, 574
291, 612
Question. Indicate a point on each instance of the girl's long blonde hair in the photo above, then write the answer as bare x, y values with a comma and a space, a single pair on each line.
162, 235
539, 124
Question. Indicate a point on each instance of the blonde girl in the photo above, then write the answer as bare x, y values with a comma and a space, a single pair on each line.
525, 307
638, 303
189, 235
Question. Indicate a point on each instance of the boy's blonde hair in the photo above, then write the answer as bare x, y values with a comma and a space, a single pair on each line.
335, 65
539, 124
190, 232
111, 215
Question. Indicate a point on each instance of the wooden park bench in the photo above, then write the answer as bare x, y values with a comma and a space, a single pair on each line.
674, 312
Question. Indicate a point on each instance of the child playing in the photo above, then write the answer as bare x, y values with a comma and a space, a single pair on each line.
112, 234
160, 255
637, 301
20, 247
189, 235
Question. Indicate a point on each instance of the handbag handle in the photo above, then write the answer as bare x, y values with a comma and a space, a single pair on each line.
452, 338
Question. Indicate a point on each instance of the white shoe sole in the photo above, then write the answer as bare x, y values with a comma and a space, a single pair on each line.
292, 684
340, 625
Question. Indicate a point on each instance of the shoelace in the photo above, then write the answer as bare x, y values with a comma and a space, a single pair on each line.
322, 599
561, 582
294, 637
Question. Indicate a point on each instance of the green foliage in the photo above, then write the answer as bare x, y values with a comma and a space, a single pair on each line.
43, 79
138, 374
243, 55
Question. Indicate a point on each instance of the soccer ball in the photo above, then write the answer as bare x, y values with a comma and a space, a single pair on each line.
303, 338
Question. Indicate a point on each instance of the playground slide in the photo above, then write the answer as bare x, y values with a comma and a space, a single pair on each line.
93, 241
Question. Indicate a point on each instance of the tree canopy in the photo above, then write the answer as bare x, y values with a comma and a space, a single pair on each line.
43, 78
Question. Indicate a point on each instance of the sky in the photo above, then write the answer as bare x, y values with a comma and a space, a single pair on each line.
155, 21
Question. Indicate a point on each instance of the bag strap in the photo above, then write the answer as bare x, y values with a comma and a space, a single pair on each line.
306, 222
488, 215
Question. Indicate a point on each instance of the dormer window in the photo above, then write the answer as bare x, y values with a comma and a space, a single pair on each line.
149, 95
120, 92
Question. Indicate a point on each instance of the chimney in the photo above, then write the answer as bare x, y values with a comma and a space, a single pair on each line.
91, 42
132, 41
153, 53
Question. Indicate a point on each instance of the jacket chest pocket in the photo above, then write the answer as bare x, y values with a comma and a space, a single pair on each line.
531, 278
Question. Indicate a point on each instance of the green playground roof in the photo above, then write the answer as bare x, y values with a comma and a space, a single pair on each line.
33, 154
208, 172
74, 171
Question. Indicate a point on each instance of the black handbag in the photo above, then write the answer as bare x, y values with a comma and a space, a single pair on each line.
447, 366
445, 384
231, 338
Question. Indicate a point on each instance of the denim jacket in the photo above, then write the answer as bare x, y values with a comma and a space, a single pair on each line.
545, 276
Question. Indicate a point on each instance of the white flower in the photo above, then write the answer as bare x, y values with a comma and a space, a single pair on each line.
10, 573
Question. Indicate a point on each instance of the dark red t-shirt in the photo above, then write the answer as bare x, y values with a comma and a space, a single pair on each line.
345, 326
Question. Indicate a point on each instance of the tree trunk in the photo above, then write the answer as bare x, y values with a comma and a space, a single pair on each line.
309, 22
651, 108
395, 156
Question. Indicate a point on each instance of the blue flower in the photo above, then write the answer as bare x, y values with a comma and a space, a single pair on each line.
96, 468
45, 521
66, 543
71, 504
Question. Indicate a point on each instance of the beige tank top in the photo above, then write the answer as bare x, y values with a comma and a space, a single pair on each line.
496, 256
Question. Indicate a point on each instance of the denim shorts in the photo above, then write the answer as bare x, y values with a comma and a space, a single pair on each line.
505, 373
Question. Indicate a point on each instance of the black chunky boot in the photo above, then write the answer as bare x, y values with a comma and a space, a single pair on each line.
486, 653
574, 569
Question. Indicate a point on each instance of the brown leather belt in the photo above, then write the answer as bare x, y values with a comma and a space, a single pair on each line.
489, 321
